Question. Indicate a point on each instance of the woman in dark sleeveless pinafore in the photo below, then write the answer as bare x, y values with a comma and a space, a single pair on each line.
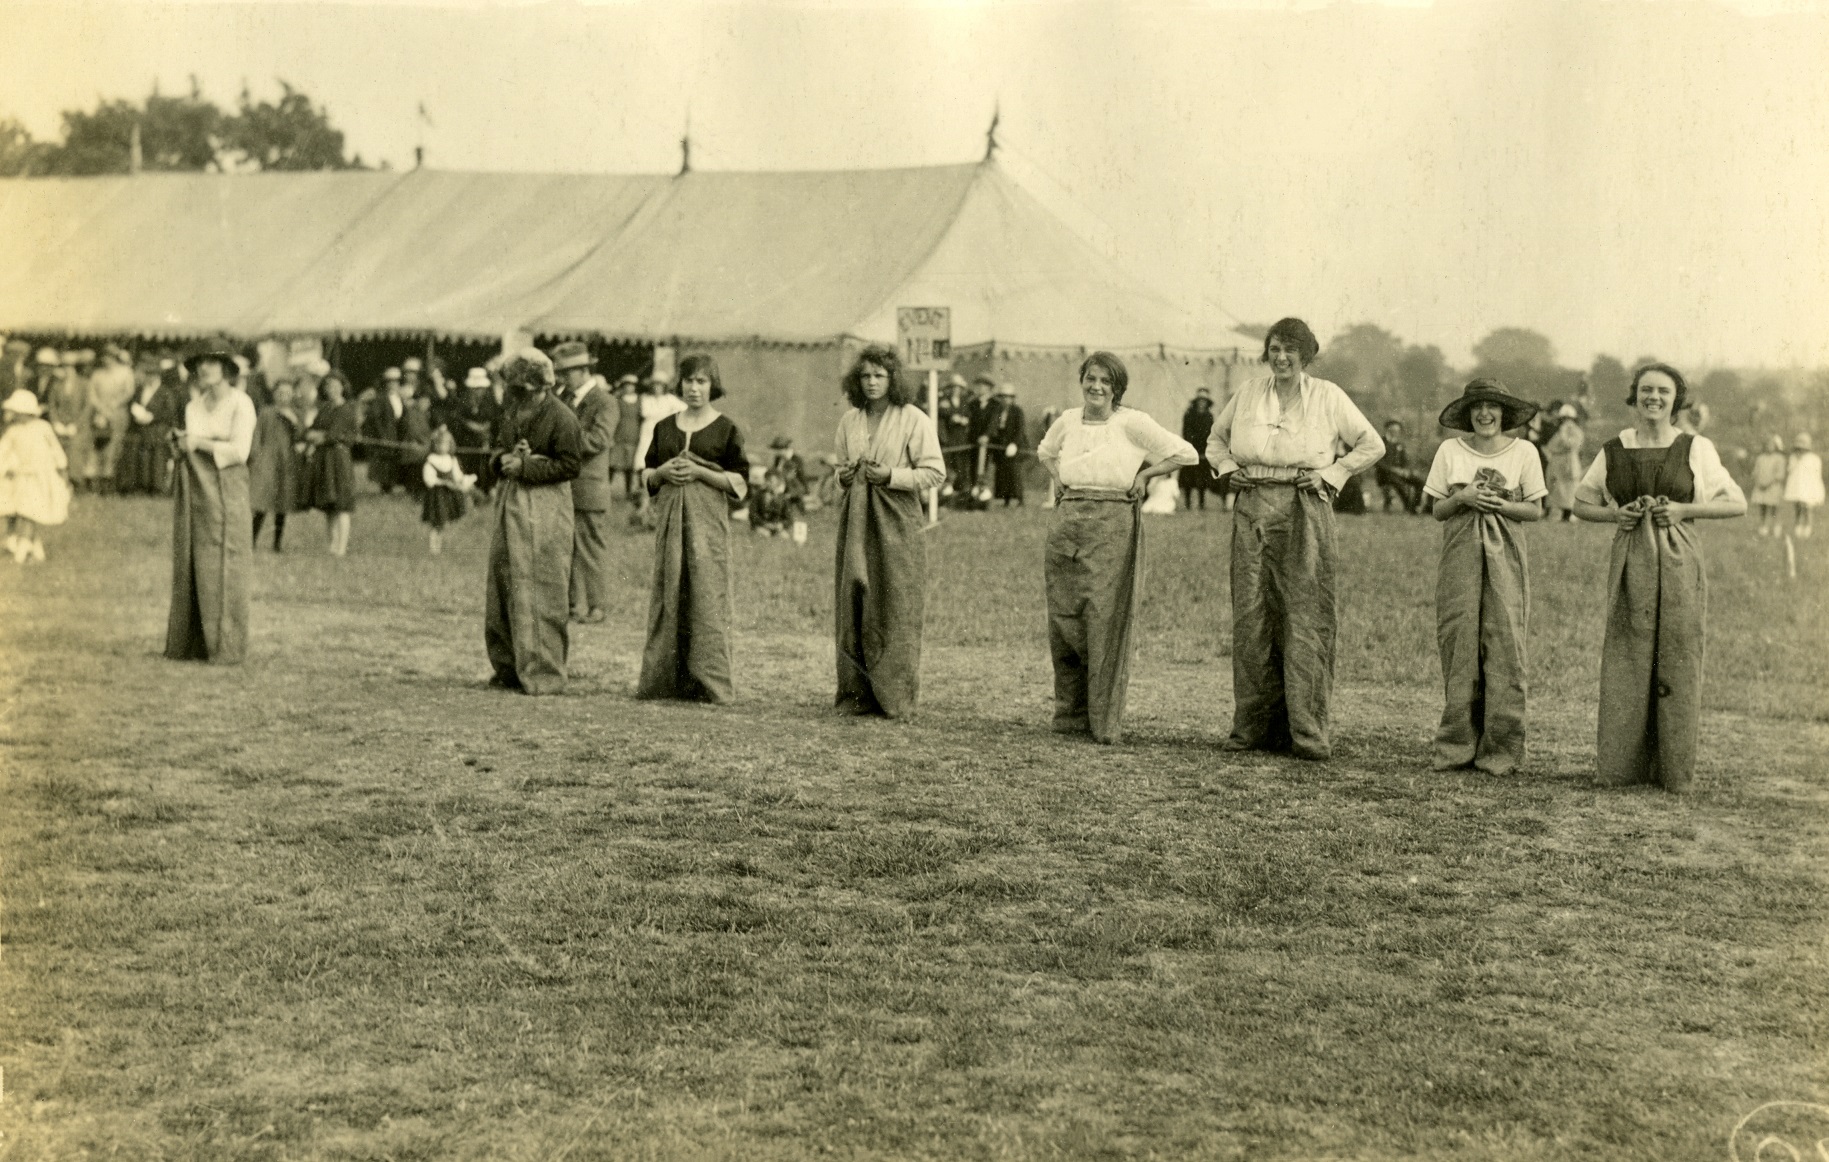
1652, 481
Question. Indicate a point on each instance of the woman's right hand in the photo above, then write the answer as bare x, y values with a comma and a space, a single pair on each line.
1630, 514
1237, 481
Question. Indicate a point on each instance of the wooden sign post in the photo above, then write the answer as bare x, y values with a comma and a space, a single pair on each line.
925, 337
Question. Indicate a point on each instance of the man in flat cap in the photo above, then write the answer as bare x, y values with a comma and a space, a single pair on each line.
590, 400
381, 425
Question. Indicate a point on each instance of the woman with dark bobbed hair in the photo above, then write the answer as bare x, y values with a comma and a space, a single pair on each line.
888, 455
1274, 446
694, 464
1651, 481
1102, 456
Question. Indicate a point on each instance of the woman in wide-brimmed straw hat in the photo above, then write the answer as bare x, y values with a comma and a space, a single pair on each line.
1653, 481
213, 525
1485, 484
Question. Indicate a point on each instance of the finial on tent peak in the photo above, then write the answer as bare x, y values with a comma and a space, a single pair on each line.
686, 145
990, 135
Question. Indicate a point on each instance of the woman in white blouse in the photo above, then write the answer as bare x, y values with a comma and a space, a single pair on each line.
1651, 481
1276, 444
212, 531
1102, 457
888, 455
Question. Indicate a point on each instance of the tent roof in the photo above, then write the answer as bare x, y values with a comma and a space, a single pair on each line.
783, 257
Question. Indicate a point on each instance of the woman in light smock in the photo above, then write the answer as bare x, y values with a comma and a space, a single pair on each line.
213, 522
1102, 457
888, 455
1651, 482
1276, 446
1486, 485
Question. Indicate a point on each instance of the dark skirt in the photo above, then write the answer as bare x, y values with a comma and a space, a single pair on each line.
332, 479
145, 462
442, 506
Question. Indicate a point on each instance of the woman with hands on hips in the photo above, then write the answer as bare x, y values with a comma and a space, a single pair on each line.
1276, 445
1652, 481
1101, 456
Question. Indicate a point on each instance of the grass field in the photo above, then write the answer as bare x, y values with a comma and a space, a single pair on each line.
346, 902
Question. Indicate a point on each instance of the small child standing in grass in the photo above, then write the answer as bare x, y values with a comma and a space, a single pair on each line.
1485, 485
447, 487
34, 477
1803, 485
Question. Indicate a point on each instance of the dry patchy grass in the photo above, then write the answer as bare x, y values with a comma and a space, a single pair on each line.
344, 902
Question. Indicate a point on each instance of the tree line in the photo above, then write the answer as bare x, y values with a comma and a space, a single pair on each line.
187, 133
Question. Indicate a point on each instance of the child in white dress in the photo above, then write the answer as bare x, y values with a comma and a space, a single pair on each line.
34, 477
1803, 485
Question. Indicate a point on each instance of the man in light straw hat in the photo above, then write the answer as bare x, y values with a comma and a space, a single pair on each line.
589, 398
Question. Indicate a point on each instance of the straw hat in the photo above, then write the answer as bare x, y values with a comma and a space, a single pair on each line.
1007, 389
221, 358
1517, 412
476, 377
1801, 443
567, 356
21, 402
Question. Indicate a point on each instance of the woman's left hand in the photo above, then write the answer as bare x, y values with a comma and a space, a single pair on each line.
1139, 488
1665, 513
678, 470
1311, 480
875, 473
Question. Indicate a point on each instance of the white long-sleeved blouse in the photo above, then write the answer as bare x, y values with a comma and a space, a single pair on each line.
905, 443
230, 423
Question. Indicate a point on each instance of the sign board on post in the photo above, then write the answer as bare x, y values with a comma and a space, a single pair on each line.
925, 335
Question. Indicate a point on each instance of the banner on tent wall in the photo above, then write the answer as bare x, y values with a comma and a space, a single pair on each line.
925, 335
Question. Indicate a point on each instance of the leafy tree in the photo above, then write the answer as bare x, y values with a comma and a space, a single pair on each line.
1608, 377
20, 156
1421, 374
1514, 346
188, 133
291, 135
1362, 358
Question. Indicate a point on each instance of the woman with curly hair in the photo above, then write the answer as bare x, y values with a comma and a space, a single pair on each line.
528, 601
888, 455
694, 464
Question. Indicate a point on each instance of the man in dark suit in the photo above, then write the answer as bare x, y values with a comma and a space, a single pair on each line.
589, 397
1002, 436
957, 411
381, 424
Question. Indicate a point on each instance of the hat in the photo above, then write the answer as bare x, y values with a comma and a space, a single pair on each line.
1202, 393
1516, 412
476, 377
21, 401
1800, 444
82, 357
18, 345
1393, 422
319, 367
1008, 389
569, 355
1567, 411
116, 352
412, 364
48, 356
628, 377
216, 355
955, 380
984, 379
781, 442
391, 373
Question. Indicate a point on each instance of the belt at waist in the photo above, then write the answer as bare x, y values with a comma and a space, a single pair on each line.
1115, 495
1268, 474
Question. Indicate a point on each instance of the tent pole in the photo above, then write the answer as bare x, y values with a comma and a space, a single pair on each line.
933, 415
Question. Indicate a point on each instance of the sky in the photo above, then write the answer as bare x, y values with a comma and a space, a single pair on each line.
1631, 178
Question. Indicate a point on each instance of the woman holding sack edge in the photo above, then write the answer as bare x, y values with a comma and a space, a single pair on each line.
1273, 445
888, 455
213, 524
1102, 456
1485, 485
694, 464
1651, 481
